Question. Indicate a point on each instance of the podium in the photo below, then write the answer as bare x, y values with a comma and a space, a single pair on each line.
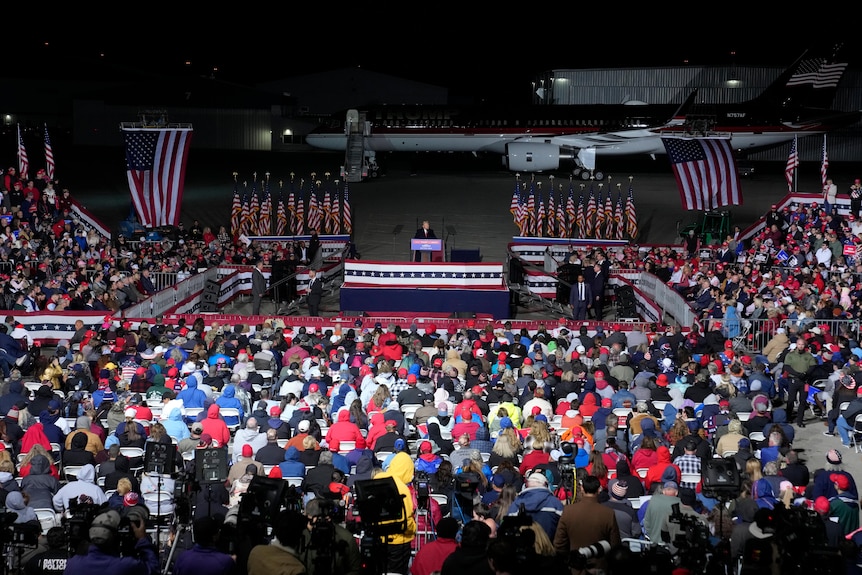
426, 250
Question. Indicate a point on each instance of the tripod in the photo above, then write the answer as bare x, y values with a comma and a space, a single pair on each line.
182, 528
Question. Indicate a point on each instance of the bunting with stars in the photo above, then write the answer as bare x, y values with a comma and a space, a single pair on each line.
436, 275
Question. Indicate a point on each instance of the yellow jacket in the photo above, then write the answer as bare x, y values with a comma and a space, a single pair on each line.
401, 470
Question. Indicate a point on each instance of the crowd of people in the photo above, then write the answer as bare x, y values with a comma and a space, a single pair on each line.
492, 436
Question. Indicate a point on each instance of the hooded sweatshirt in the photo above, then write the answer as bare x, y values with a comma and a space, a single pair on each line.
401, 471
292, 466
344, 430
175, 426
228, 399
191, 396
15, 503
85, 485
656, 473
215, 425
39, 483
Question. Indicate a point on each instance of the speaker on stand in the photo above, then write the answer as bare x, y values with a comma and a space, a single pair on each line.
209, 297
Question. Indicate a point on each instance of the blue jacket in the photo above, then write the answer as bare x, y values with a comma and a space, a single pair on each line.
542, 505
191, 395
292, 466
228, 399
175, 426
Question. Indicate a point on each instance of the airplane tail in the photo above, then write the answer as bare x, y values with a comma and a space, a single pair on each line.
810, 82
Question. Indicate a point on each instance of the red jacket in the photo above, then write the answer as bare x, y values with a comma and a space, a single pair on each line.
344, 430
431, 556
214, 425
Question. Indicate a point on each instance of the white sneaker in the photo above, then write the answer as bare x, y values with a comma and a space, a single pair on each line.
21, 360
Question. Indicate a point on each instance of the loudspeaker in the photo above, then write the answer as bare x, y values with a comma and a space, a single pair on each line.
721, 477
211, 465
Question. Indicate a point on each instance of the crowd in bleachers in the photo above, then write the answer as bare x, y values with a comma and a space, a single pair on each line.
472, 424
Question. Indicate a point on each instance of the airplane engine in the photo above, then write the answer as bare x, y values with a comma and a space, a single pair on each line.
532, 157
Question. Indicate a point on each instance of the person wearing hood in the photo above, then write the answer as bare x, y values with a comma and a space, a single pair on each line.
191, 396
292, 466
25, 513
82, 426
427, 461
36, 434
76, 452
175, 426
18, 396
399, 544
274, 421
664, 468
8, 483
43, 395
228, 399
122, 468
40, 484
365, 466
344, 430
453, 359
215, 426
342, 397
84, 484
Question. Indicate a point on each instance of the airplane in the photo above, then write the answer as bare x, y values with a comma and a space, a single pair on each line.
538, 138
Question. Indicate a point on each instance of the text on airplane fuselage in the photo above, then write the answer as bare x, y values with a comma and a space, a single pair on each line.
437, 114
736, 114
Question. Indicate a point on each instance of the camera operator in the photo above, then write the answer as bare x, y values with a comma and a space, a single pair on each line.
50, 560
104, 552
204, 556
587, 522
327, 546
281, 555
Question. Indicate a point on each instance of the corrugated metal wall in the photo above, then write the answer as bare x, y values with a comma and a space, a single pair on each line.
674, 84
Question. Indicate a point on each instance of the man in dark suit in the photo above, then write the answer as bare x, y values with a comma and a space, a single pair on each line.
423, 233
258, 287
581, 298
315, 293
597, 279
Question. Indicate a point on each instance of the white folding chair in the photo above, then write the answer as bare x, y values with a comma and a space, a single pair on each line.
47, 518
233, 414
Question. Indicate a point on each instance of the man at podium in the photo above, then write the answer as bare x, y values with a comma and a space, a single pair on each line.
423, 233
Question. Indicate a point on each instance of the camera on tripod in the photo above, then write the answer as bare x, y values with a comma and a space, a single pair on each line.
423, 490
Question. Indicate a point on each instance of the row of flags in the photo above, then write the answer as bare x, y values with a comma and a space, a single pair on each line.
793, 165
556, 214
300, 208
24, 159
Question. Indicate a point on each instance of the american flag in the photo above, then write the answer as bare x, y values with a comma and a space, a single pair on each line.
156, 170
824, 164
264, 226
530, 214
562, 226
235, 210
23, 161
600, 214
314, 212
619, 218
327, 211
541, 216
49, 156
818, 73
582, 216
552, 214
515, 204
705, 172
792, 164
590, 213
335, 213
300, 212
609, 217
243, 218
281, 223
571, 212
253, 211
631, 216
347, 212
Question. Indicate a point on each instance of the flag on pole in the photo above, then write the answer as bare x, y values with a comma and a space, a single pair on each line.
551, 214
335, 213
314, 212
590, 213
619, 217
348, 215
327, 211
253, 211
300, 212
235, 210
156, 171
541, 216
561, 216
600, 214
609, 217
792, 164
705, 171
531, 211
243, 219
582, 215
631, 215
571, 212
49, 155
23, 161
515, 203
824, 163
264, 227
281, 221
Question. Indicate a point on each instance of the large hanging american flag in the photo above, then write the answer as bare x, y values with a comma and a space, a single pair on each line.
571, 212
23, 160
792, 164
235, 210
824, 164
347, 212
705, 171
281, 221
156, 170
631, 215
49, 156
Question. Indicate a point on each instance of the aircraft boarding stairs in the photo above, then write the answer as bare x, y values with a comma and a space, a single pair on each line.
355, 168
523, 297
